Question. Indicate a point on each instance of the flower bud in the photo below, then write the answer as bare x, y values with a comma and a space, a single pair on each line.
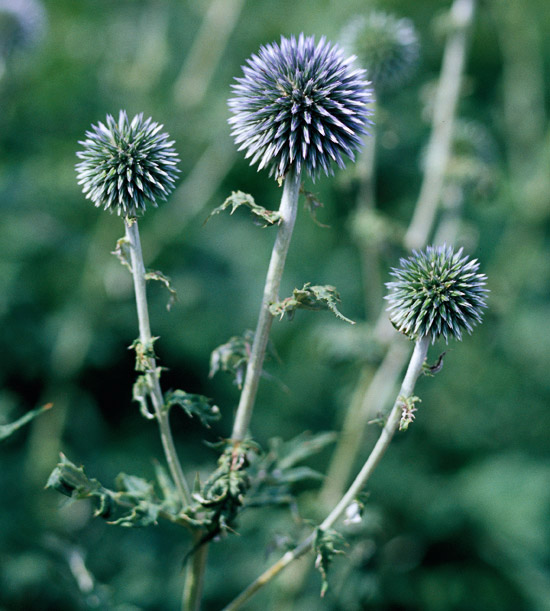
436, 292
127, 164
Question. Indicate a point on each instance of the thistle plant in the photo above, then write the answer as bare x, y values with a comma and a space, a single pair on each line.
441, 277
299, 106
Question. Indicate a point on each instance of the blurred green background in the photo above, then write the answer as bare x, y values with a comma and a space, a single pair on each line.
458, 516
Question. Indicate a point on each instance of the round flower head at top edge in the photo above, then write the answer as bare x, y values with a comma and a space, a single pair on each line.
126, 164
22, 24
387, 46
436, 292
300, 104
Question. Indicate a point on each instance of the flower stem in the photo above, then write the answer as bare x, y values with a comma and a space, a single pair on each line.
287, 211
419, 230
407, 387
155, 392
195, 577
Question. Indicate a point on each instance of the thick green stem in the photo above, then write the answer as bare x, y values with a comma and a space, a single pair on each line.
155, 392
407, 387
195, 577
287, 212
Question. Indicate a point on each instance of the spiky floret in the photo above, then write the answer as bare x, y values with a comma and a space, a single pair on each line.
385, 45
126, 164
22, 24
436, 292
300, 104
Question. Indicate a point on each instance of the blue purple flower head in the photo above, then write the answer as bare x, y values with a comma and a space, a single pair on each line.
300, 105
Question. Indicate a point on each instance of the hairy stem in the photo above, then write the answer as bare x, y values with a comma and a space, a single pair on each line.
287, 211
155, 392
407, 387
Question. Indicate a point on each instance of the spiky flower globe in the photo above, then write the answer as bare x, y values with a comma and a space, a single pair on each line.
126, 164
385, 45
300, 105
22, 24
436, 292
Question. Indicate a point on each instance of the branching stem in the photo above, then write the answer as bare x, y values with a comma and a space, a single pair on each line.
407, 387
155, 392
287, 211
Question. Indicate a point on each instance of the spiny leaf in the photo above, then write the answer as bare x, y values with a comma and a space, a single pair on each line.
238, 198
328, 544
160, 277
193, 405
317, 297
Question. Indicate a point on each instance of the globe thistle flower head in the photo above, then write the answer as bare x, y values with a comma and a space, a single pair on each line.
300, 105
126, 164
22, 24
436, 292
385, 45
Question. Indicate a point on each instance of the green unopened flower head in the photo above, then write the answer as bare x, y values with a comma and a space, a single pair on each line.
126, 164
436, 292
385, 45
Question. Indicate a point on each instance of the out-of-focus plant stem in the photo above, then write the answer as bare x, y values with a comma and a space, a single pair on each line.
155, 392
446, 102
420, 228
287, 212
206, 52
366, 172
392, 424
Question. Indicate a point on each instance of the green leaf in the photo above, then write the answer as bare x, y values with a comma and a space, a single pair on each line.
238, 198
72, 481
193, 405
160, 277
312, 204
232, 357
328, 544
6, 430
122, 252
309, 297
